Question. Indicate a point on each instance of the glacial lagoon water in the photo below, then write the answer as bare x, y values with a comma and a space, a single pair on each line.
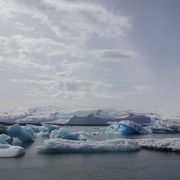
141, 165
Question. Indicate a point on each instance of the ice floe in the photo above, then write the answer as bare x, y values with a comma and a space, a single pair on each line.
69, 146
168, 144
9, 151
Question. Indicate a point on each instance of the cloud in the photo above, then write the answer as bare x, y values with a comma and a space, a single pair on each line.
23, 27
76, 22
51, 57
143, 89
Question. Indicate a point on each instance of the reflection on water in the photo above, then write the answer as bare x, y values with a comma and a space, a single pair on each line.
149, 165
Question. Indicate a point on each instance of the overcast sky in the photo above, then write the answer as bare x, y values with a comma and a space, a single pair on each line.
122, 54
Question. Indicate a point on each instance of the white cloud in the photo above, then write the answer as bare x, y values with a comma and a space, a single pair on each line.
23, 27
75, 22
143, 89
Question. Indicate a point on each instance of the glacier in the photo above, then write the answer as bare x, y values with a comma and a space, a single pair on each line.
58, 145
126, 128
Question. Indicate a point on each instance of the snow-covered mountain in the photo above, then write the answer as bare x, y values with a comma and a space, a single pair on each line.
102, 117
34, 115
57, 115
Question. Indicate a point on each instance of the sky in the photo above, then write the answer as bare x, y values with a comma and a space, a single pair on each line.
87, 54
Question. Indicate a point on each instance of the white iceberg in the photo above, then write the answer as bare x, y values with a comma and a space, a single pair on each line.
69, 146
9, 151
18, 132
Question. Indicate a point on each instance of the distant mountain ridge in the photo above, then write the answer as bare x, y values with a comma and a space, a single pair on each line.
54, 114
101, 117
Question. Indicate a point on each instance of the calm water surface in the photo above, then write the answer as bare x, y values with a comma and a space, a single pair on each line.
142, 165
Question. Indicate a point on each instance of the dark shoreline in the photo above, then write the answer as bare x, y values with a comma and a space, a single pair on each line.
58, 124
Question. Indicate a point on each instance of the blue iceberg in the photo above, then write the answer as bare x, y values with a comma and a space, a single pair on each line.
30, 131
18, 132
127, 128
36, 129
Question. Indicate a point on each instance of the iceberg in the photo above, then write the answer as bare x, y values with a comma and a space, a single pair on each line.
9, 151
69, 146
65, 134
126, 128
18, 132
168, 144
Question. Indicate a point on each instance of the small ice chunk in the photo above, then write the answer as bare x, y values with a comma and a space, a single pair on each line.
16, 142
50, 127
65, 134
36, 129
9, 151
69, 146
4, 139
17, 131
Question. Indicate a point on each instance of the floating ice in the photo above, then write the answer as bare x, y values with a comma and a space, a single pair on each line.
9, 151
4, 139
16, 142
18, 132
65, 134
36, 129
168, 144
30, 131
69, 146
49, 127
126, 128
163, 130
